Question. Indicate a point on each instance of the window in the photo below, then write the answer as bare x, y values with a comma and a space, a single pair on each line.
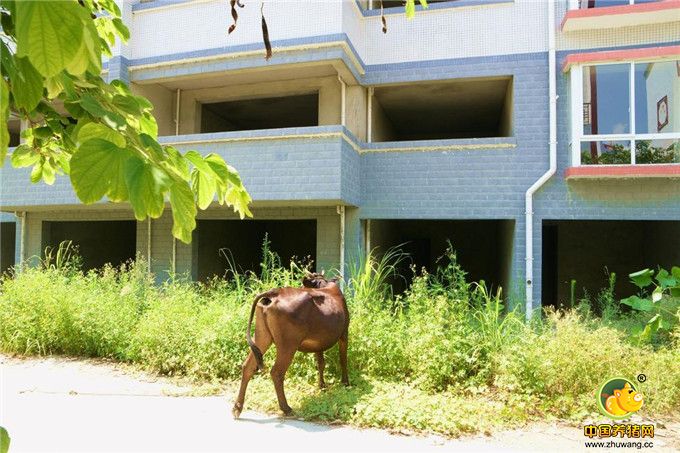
624, 107
586, 4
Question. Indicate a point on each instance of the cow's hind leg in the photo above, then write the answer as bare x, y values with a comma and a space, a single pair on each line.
263, 340
321, 365
342, 345
284, 357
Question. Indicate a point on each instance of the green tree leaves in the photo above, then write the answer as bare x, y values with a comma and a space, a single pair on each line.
106, 141
28, 85
97, 170
49, 33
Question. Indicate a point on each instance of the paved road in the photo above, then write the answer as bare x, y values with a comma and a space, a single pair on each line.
67, 405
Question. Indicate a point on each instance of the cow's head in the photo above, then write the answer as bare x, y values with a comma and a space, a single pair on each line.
316, 280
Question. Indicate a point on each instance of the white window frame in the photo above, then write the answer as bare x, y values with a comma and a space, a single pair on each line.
577, 135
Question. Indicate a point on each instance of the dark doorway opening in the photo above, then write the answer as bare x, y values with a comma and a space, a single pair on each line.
7, 245
99, 242
587, 250
242, 241
483, 247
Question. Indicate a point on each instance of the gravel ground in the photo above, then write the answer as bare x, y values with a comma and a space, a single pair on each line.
61, 404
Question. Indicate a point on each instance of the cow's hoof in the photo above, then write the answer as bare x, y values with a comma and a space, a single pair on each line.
236, 411
287, 411
345, 383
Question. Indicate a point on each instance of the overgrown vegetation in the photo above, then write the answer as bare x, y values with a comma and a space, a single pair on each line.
446, 356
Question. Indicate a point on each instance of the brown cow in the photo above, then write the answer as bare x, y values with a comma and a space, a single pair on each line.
309, 319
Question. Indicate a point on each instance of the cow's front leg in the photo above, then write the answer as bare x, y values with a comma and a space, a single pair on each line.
321, 365
284, 357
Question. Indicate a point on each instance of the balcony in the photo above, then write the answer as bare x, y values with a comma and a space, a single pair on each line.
603, 14
308, 164
290, 164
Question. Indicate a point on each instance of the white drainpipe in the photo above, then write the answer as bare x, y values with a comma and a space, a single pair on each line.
552, 100
341, 211
174, 240
22, 237
177, 104
343, 102
368, 236
369, 116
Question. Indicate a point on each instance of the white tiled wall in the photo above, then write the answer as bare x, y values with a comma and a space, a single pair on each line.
434, 34
203, 25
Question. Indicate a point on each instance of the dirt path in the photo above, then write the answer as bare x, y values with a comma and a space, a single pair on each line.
58, 404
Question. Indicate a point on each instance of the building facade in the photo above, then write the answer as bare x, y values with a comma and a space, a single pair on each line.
541, 139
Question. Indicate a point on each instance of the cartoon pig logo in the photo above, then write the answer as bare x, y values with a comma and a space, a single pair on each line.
619, 398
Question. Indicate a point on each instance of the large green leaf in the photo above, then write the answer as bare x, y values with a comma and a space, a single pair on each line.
651, 328
96, 130
642, 278
145, 184
97, 169
127, 104
665, 279
27, 85
49, 33
198, 161
204, 185
148, 125
178, 162
24, 156
675, 271
183, 211
638, 303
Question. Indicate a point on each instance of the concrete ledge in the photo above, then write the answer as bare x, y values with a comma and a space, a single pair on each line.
622, 171
608, 56
621, 16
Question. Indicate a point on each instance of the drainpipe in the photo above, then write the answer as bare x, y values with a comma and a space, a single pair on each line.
529, 219
343, 97
369, 116
22, 237
173, 264
368, 236
341, 211
148, 244
177, 104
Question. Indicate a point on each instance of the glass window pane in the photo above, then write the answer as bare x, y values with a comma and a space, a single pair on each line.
601, 3
606, 99
657, 151
657, 97
605, 153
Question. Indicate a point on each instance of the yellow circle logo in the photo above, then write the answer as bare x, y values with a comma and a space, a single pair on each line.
619, 398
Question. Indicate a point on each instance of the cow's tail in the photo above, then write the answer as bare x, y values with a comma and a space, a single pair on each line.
253, 347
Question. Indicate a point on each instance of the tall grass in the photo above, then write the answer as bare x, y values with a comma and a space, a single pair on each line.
444, 338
